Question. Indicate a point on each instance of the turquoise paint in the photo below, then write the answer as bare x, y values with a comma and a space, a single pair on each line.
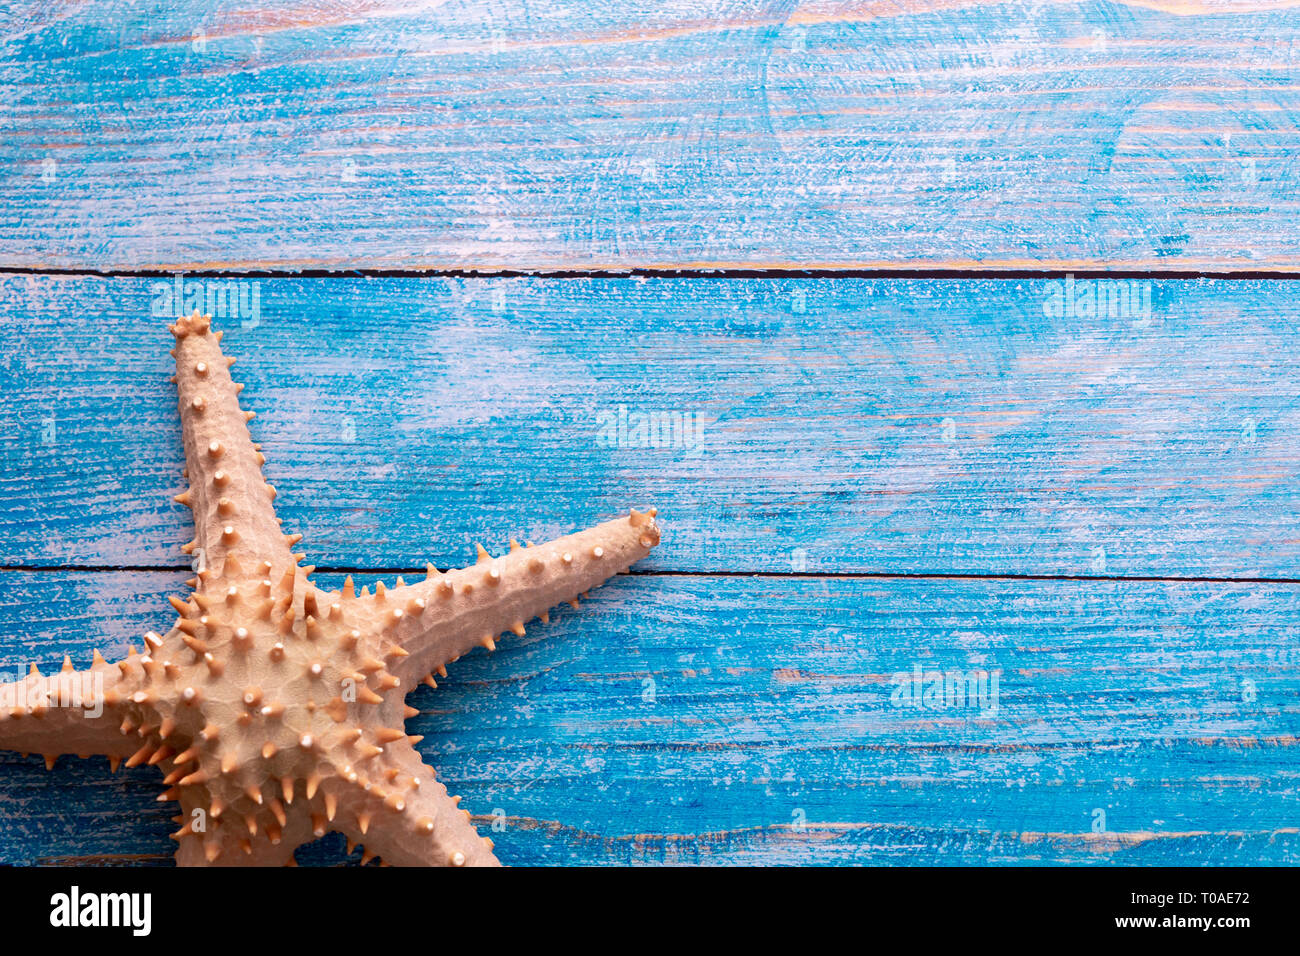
1163, 713
512, 135
856, 475
822, 425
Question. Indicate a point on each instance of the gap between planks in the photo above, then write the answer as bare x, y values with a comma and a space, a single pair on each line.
720, 271
669, 573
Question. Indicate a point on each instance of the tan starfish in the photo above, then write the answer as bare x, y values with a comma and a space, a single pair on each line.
274, 708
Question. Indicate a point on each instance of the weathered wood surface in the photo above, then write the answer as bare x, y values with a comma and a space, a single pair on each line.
700, 719
880, 426
919, 468
782, 134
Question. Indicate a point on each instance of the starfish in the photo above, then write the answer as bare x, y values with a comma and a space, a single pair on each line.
274, 708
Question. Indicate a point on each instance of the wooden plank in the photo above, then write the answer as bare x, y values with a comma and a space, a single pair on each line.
512, 135
880, 426
720, 720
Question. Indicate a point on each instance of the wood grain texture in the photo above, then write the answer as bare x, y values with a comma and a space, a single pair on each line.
566, 135
883, 426
696, 719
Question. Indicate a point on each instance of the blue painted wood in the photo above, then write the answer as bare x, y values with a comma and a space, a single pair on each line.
773, 133
877, 426
828, 427
699, 719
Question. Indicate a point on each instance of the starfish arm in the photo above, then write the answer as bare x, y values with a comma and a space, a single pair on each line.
270, 706
403, 815
226, 840
237, 532
427, 625
72, 711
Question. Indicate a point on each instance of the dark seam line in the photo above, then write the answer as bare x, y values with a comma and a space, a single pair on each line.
659, 572
793, 272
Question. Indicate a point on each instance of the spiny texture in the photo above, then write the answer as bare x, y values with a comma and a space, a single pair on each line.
274, 708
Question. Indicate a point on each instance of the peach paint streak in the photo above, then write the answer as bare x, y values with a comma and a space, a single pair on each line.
830, 11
